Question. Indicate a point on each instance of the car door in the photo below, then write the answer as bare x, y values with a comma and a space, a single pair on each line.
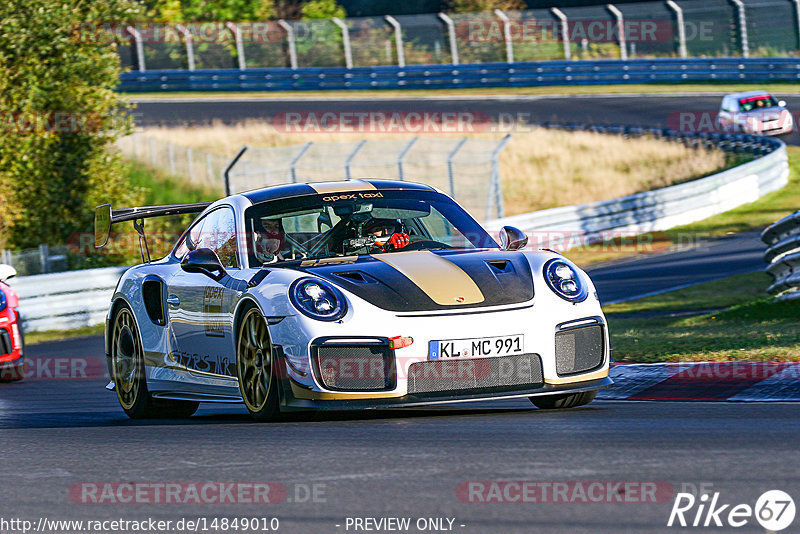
200, 308
725, 117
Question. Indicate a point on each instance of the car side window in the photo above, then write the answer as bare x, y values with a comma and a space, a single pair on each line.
218, 233
190, 240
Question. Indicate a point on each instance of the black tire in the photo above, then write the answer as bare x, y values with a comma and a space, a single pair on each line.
128, 374
255, 366
557, 402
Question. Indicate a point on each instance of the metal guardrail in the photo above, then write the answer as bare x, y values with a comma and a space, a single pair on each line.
783, 255
62, 301
585, 72
667, 207
80, 298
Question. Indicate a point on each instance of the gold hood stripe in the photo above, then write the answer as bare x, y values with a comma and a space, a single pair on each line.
442, 280
339, 187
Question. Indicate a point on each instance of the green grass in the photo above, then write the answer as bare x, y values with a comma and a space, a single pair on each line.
159, 188
655, 88
752, 327
32, 338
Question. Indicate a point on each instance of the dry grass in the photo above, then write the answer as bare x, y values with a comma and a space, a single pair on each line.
540, 168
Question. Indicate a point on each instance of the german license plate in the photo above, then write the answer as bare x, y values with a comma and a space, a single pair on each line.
480, 347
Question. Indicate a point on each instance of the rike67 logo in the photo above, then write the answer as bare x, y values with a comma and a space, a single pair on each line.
774, 510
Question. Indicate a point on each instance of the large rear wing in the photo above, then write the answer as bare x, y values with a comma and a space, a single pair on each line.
105, 217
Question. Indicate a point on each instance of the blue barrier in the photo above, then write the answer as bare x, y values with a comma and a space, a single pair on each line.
541, 73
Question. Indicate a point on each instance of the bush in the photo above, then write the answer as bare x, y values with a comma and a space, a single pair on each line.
60, 115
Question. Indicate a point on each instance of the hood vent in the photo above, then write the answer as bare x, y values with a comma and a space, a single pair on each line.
500, 266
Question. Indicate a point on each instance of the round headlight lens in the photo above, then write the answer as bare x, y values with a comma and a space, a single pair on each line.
317, 299
3, 300
565, 281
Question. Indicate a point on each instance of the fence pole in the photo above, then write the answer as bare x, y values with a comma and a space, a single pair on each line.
171, 153
495, 180
209, 168
152, 152
506, 34
290, 41
564, 31
190, 163
797, 14
135, 139
351, 156
348, 53
402, 155
237, 36
682, 27
187, 38
450, 157
742, 27
451, 34
300, 154
623, 50
137, 39
227, 172
398, 40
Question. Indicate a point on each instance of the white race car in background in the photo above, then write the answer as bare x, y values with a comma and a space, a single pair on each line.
754, 112
348, 295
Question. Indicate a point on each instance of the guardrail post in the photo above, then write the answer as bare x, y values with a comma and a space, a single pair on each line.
290, 41
494, 181
506, 34
742, 27
44, 258
451, 34
623, 51
348, 53
681, 27
226, 174
237, 36
351, 156
189, 40
402, 155
293, 164
564, 31
450, 178
398, 40
137, 39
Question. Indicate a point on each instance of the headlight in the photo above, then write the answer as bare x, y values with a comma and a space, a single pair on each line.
565, 281
3, 300
317, 299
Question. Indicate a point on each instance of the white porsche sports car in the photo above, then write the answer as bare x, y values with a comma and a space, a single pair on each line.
347, 295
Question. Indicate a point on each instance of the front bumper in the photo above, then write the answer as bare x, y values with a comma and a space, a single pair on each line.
295, 397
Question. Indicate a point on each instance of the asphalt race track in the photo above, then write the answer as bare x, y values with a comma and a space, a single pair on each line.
58, 437
654, 111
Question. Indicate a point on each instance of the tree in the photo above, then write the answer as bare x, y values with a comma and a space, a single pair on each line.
469, 6
60, 117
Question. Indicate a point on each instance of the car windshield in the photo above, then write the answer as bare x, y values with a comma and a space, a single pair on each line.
751, 103
347, 224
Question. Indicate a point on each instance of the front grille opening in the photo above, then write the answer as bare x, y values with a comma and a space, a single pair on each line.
579, 350
6, 347
504, 372
355, 367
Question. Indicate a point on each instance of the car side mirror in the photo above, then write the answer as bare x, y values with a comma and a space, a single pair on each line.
6, 272
512, 238
782, 103
204, 261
